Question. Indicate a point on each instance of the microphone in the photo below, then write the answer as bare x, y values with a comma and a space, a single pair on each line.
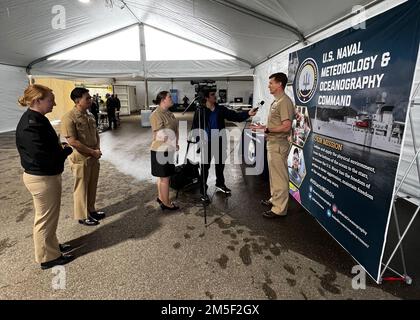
261, 103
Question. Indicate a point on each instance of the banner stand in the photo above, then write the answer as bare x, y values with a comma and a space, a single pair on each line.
398, 195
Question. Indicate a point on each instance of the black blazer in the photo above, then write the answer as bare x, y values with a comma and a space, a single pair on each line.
40, 151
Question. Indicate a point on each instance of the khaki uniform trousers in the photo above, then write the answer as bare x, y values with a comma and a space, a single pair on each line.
277, 153
46, 193
86, 174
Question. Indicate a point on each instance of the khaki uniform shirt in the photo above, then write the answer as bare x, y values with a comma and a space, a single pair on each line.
82, 127
165, 121
281, 109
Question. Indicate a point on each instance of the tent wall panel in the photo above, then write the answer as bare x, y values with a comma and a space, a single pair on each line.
87, 69
235, 89
156, 69
14, 82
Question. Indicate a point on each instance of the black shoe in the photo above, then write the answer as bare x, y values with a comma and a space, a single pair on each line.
174, 207
89, 222
266, 203
65, 247
97, 215
62, 260
271, 215
205, 198
223, 189
159, 201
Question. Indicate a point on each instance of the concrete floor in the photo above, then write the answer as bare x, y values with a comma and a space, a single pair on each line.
140, 252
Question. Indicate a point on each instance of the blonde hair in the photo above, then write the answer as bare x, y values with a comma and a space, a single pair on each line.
32, 93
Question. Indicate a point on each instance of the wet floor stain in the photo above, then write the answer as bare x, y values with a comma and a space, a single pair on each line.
187, 236
321, 292
289, 269
222, 261
23, 215
245, 254
275, 251
177, 245
224, 225
327, 282
256, 248
208, 294
231, 248
291, 282
190, 228
234, 242
269, 292
270, 258
201, 235
5, 244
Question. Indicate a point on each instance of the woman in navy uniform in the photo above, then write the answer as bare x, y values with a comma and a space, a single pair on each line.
163, 148
42, 156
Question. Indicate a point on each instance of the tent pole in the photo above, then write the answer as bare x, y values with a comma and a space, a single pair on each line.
146, 94
143, 60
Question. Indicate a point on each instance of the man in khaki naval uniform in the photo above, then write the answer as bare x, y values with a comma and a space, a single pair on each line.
79, 128
278, 129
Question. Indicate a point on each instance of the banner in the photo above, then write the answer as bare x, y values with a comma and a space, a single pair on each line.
352, 91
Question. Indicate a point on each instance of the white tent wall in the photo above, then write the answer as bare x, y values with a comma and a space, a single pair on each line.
185, 88
411, 185
155, 69
280, 62
87, 69
13, 81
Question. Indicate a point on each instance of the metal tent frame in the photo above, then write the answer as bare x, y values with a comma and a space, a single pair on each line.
399, 195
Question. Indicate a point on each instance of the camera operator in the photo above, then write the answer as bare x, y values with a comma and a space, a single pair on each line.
212, 122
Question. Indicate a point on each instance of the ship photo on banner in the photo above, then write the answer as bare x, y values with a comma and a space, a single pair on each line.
352, 92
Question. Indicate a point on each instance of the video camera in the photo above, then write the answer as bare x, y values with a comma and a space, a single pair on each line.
201, 86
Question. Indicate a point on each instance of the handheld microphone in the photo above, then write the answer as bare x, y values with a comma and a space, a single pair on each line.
259, 104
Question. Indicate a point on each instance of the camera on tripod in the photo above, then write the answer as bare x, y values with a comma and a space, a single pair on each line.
201, 87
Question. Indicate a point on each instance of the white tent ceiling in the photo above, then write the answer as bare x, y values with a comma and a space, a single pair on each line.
248, 30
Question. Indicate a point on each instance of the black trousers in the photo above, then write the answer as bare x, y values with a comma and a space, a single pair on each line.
95, 114
218, 153
112, 119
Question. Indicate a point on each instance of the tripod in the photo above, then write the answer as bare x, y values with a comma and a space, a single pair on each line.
201, 119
